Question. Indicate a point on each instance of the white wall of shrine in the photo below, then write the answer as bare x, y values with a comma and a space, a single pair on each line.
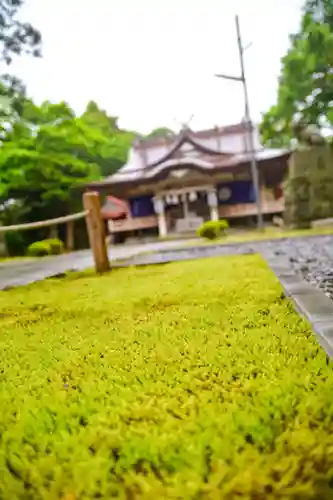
233, 143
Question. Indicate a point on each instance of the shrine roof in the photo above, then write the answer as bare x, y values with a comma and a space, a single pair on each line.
206, 150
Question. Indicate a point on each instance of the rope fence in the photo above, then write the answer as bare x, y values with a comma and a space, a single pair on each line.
95, 227
44, 223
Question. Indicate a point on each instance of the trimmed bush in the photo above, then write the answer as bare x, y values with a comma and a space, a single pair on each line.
57, 246
211, 230
45, 247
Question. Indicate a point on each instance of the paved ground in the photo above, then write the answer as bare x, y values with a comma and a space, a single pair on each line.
18, 273
311, 257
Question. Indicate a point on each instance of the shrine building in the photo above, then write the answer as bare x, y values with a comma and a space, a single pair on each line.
171, 184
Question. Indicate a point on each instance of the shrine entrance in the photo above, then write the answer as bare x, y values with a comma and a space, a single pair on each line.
184, 210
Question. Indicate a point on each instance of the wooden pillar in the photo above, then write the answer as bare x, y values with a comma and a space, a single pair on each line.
160, 212
185, 206
70, 235
54, 235
96, 231
213, 205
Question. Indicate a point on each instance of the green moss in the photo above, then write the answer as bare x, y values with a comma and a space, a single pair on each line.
187, 381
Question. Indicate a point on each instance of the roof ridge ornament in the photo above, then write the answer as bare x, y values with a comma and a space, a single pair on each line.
184, 126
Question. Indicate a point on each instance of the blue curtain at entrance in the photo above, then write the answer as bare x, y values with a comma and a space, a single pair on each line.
235, 192
141, 206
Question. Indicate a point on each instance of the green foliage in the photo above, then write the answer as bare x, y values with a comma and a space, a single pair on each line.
211, 230
12, 96
160, 132
47, 113
45, 247
42, 160
39, 249
15, 243
57, 246
306, 82
321, 10
202, 383
17, 37
98, 118
111, 152
47, 152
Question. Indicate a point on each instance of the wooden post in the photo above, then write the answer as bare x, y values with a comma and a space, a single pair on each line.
54, 235
70, 235
96, 231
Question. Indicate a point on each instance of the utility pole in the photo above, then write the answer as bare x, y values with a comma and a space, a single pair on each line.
249, 125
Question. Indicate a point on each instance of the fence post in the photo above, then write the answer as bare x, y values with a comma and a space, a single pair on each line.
70, 235
96, 231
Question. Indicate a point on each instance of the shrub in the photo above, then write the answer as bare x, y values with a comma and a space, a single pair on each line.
212, 229
45, 247
57, 246
15, 243
39, 249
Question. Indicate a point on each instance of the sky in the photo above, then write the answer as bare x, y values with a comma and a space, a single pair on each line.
152, 62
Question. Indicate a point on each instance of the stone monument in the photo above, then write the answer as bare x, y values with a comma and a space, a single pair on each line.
309, 187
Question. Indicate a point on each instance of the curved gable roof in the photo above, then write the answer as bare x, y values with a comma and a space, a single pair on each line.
206, 150
184, 138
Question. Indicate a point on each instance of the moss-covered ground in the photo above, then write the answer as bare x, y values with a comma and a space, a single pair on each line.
233, 236
193, 380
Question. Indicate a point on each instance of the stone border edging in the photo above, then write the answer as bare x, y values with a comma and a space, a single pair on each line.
309, 301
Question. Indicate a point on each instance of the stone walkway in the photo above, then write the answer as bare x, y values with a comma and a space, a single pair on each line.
311, 257
18, 273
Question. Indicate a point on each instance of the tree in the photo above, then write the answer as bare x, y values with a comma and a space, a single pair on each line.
16, 37
48, 151
12, 96
46, 154
160, 132
40, 164
112, 151
320, 10
306, 82
98, 118
46, 114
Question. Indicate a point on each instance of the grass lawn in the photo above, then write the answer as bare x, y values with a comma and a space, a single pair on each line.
193, 380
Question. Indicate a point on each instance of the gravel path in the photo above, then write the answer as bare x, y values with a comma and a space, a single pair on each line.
310, 257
